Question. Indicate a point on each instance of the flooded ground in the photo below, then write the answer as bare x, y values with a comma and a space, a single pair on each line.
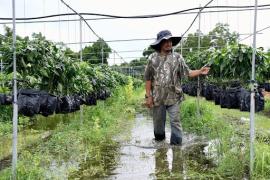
134, 154
143, 158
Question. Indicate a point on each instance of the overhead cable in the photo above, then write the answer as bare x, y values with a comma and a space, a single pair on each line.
133, 17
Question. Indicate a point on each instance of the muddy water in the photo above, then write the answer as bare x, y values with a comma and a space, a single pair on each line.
143, 158
135, 155
38, 131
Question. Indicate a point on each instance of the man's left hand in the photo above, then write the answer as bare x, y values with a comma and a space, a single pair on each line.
204, 70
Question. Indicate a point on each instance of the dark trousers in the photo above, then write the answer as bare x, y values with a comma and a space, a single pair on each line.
159, 119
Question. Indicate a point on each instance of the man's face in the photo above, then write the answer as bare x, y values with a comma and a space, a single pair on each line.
166, 45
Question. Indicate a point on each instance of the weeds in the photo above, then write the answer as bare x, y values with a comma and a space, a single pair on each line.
233, 138
84, 145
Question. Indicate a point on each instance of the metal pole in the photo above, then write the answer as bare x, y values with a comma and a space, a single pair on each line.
199, 35
81, 114
252, 96
59, 33
181, 47
2, 70
198, 82
80, 39
113, 57
15, 105
1, 66
102, 52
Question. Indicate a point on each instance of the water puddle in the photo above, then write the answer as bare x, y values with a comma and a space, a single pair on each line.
134, 154
143, 158
39, 131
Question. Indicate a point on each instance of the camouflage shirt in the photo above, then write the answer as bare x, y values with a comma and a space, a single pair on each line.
165, 73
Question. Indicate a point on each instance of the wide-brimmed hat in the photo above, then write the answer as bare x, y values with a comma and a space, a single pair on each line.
165, 34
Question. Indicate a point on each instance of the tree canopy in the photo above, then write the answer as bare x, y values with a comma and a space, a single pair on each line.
93, 53
219, 37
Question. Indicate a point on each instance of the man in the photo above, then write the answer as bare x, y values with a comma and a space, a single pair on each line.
163, 75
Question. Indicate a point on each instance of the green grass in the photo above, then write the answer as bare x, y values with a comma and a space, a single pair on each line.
233, 137
83, 148
261, 120
5, 128
262, 161
79, 148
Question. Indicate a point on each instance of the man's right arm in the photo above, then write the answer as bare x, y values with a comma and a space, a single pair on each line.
148, 76
149, 97
148, 85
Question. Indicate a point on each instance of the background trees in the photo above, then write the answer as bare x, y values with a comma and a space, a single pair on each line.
93, 53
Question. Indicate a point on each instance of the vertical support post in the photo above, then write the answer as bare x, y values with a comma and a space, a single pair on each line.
198, 79
81, 114
252, 96
44, 24
80, 39
15, 105
113, 57
2, 69
1, 66
102, 55
181, 46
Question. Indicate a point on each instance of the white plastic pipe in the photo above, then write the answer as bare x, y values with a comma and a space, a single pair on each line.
15, 105
252, 96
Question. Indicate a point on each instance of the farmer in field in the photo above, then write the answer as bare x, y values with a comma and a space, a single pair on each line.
163, 75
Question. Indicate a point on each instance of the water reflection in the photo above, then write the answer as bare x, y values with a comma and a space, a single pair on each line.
182, 163
99, 161
143, 158
162, 164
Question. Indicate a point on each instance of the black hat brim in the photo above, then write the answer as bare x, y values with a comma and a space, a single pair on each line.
175, 41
